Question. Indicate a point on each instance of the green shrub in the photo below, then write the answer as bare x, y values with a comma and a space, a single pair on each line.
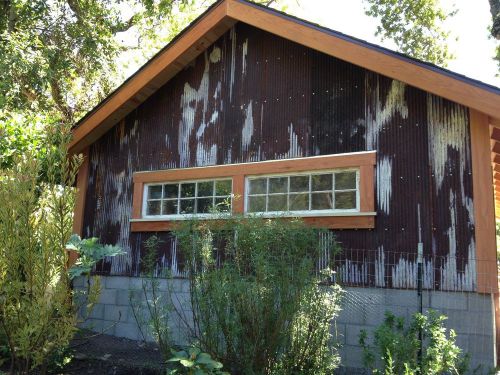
255, 297
152, 308
193, 361
38, 315
397, 345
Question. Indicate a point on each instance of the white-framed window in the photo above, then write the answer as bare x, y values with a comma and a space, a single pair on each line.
187, 198
324, 192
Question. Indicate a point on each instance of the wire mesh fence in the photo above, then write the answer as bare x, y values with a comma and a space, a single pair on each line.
463, 288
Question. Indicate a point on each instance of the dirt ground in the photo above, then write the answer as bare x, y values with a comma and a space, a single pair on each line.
103, 354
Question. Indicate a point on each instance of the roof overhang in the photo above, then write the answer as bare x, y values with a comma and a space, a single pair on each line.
224, 14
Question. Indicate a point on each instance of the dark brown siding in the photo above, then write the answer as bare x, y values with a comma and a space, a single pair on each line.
253, 96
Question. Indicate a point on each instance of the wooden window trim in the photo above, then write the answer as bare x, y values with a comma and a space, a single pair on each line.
364, 161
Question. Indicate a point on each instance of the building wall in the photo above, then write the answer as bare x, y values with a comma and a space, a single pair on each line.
471, 315
252, 96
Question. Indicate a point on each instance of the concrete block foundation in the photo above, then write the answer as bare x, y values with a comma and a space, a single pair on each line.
471, 315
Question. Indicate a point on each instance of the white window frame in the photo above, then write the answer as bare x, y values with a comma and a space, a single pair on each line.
184, 216
304, 213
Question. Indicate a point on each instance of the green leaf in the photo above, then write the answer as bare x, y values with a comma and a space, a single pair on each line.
187, 362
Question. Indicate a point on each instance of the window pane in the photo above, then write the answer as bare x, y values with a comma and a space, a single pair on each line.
258, 186
170, 207
154, 192
187, 190
299, 202
223, 187
299, 183
278, 185
345, 180
277, 203
321, 201
205, 205
187, 206
257, 204
170, 191
153, 208
321, 182
206, 189
223, 204
345, 200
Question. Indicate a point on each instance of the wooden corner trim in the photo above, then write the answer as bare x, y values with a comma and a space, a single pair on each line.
81, 186
484, 207
365, 161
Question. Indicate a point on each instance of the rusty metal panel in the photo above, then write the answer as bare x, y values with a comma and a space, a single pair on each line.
253, 96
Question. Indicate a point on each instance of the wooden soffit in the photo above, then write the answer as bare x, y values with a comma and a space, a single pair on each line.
224, 14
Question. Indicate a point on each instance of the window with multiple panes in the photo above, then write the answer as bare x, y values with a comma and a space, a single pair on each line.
188, 197
333, 191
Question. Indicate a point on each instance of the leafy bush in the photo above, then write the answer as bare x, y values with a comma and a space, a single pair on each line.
397, 345
152, 309
255, 297
37, 314
194, 362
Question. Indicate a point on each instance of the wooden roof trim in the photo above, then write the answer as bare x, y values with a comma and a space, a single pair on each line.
152, 76
226, 13
369, 58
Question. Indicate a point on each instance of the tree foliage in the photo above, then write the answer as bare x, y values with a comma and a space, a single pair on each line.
64, 56
416, 26
495, 27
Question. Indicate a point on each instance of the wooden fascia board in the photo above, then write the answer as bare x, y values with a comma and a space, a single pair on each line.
357, 54
155, 74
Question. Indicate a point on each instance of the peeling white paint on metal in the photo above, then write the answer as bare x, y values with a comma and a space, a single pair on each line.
447, 126
232, 36
244, 57
326, 239
384, 183
395, 103
380, 267
215, 55
247, 130
191, 99
206, 156
451, 279
115, 207
353, 272
294, 148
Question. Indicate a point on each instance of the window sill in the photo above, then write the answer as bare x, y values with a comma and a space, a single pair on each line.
349, 220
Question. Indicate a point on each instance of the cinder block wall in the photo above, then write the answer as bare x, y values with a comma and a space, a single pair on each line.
113, 314
471, 315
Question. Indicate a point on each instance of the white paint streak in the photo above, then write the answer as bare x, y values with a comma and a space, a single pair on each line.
244, 57
191, 100
384, 183
206, 156
380, 267
248, 129
232, 36
451, 279
395, 104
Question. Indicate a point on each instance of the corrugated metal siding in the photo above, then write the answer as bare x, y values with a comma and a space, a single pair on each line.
253, 96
